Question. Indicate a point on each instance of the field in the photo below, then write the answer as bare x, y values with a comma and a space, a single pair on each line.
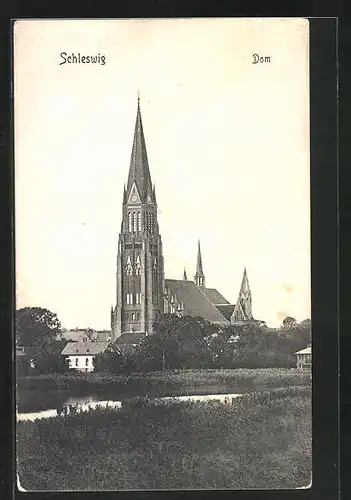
263, 440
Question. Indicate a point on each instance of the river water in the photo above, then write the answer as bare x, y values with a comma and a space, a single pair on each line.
84, 404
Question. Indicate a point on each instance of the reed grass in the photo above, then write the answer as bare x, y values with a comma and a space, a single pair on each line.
262, 440
248, 379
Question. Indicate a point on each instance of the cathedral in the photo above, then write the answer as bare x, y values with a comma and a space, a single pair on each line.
143, 292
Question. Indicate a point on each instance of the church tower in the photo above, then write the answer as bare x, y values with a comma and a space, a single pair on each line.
140, 268
199, 277
243, 307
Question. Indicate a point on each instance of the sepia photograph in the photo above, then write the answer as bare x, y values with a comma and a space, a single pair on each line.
162, 232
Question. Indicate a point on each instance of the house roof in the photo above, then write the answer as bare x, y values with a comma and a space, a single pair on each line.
307, 350
76, 335
195, 301
85, 348
214, 296
130, 338
101, 336
226, 309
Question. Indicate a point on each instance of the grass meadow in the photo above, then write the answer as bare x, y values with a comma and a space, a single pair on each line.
262, 440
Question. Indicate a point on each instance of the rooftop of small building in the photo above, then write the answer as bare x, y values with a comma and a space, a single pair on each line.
84, 348
306, 350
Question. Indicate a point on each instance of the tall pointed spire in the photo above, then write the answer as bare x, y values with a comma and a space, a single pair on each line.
245, 287
199, 277
139, 172
185, 278
243, 307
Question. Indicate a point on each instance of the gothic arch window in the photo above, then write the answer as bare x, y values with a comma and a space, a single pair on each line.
129, 267
130, 226
129, 298
139, 221
134, 222
138, 266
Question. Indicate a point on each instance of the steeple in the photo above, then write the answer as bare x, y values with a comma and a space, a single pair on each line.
199, 277
245, 287
185, 278
139, 173
243, 307
140, 267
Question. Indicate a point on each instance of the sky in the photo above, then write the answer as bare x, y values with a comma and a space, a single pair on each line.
228, 150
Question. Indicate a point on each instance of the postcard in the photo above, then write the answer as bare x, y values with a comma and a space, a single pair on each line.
163, 282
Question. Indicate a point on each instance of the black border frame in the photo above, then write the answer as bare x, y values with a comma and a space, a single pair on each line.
324, 202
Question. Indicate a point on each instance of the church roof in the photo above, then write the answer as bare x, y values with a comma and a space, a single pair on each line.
214, 296
195, 301
226, 309
139, 172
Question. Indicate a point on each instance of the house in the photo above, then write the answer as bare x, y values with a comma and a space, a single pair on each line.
80, 355
304, 357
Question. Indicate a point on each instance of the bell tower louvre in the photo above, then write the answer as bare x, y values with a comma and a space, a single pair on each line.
140, 267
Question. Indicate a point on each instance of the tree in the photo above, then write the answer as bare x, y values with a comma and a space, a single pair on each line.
38, 330
112, 362
289, 322
176, 343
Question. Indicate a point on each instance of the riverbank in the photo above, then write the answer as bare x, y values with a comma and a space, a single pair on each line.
48, 391
268, 377
261, 441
